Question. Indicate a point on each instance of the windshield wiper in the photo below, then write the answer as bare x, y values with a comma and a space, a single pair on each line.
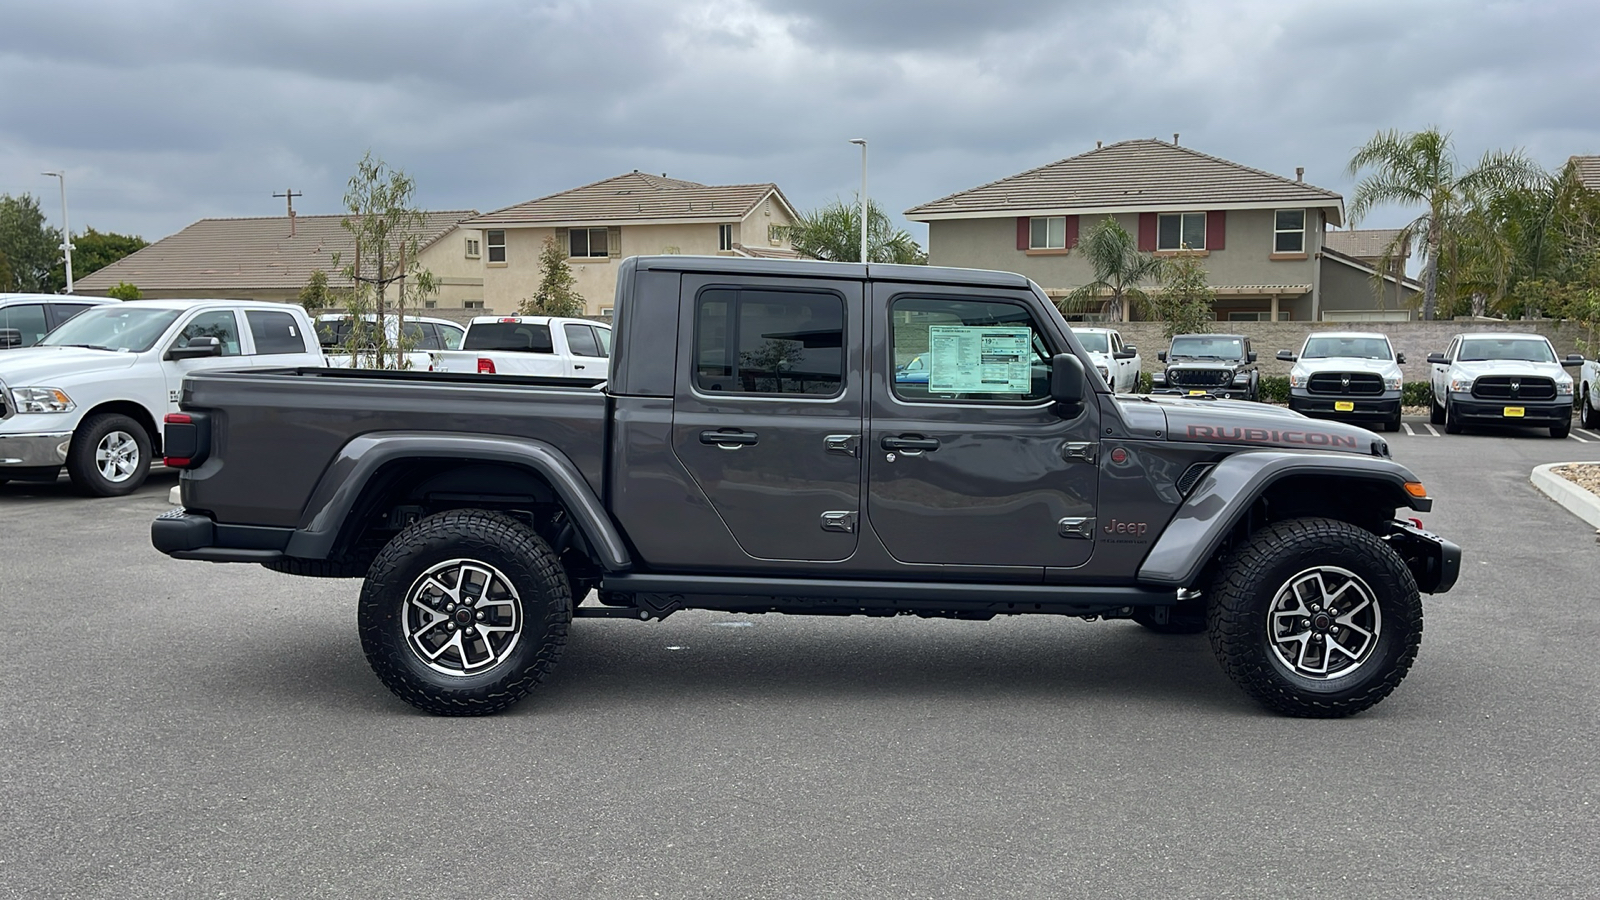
89, 347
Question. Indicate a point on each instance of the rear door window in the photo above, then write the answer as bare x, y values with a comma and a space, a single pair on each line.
65, 311
580, 340
769, 342
275, 332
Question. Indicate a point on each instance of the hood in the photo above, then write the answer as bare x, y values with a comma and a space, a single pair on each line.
1347, 364
1202, 362
49, 366
1510, 367
1263, 425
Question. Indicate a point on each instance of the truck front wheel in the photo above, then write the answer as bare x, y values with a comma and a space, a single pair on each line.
109, 456
1315, 618
464, 612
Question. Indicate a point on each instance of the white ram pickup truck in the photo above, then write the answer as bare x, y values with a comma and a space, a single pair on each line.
542, 346
1499, 378
1118, 363
94, 393
1589, 394
423, 334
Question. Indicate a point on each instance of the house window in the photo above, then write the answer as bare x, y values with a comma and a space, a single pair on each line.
472, 248
1289, 231
1284, 315
430, 304
1181, 231
1047, 233
724, 237
497, 246
473, 304
587, 242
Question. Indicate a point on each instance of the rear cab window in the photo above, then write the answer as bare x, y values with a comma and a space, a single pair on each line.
526, 337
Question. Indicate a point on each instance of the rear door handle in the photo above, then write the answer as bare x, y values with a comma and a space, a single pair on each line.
909, 443
730, 439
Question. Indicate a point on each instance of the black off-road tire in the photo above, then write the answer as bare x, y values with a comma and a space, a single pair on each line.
1188, 617
534, 597
1588, 415
1452, 422
85, 467
1435, 412
1253, 610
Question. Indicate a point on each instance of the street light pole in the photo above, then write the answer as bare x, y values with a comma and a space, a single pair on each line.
863, 143
66, 226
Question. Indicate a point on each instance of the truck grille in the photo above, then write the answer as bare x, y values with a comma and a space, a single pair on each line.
1514, 387
1199, 378
1356, 384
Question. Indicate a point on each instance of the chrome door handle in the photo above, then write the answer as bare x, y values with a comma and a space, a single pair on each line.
729, 439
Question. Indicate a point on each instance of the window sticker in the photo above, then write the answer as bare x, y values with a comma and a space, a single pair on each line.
979, 359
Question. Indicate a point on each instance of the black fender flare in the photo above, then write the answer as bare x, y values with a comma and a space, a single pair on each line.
1226, 493
357, 461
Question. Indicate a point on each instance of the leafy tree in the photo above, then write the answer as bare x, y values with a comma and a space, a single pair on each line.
92, 251
558, 289
1186, 303
833, 232
1119, 268
28, 247
125, 291
314, 296
1421, 169
384, 272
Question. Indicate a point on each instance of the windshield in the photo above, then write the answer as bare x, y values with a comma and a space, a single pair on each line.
1347, 348
1208, 347
1529, 349
1094, 342
118, 327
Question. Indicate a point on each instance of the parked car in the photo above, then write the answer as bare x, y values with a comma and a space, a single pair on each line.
1502, 379
1118, 363
26, 318
93, 394
1219, 365
545, 346
1351, 375
749, 453
424, 334
1589, 397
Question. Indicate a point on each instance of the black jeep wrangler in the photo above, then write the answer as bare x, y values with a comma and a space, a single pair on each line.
1218, 365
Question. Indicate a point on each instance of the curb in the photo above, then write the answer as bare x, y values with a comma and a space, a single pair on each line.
1580, 502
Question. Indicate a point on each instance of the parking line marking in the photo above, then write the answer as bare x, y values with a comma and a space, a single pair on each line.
1407, 427
1589, 433
1431, 429
1578, 439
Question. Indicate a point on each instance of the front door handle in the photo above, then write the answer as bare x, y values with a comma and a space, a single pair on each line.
909, 443
729, 439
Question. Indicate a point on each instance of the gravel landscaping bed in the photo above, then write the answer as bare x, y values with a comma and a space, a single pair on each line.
1584, 475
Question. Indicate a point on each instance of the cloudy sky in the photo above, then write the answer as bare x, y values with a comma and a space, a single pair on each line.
163, 112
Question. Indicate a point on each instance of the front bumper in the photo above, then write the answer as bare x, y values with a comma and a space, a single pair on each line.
34, 451
1382, 407
1493, 412
1221, 393
1434, 562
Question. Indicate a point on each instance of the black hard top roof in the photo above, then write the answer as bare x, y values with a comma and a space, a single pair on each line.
802, 268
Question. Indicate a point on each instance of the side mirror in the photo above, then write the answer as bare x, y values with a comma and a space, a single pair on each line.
1437, 359
1572, 359
1287, 356
197, 348
1161, 355
1124, 353
1066, 382
1131, 349
1250, 357
1399, 359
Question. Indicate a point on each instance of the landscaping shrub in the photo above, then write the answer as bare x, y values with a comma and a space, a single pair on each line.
1416, 393
1274, 389
1142, 386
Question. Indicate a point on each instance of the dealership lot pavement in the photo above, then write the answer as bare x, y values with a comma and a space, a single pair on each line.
187, 729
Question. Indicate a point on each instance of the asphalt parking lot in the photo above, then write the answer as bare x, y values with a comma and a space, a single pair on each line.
188, 729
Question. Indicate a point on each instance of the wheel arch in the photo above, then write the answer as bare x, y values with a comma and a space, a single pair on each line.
133, 410
372, 472
1252, 489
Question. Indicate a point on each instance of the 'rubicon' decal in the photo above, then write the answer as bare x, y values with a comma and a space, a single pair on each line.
1269, 436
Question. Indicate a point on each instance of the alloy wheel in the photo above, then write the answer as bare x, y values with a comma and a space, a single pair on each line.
462, 617
1324, 623
117, 456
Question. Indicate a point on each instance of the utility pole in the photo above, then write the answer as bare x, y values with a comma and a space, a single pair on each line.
863, 143
288, 195
66, 227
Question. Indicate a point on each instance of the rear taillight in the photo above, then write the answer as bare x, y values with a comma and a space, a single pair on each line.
485, 366
185, 440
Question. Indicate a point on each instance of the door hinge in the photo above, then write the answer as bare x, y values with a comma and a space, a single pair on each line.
839, 520
1078, 527
846, 444
1084, 451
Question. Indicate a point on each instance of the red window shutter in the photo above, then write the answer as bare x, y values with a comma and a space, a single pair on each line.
1147, 232
1216, 228
1022, 232
1072, 231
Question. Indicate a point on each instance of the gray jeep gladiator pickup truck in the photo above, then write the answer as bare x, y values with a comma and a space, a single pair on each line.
758, 448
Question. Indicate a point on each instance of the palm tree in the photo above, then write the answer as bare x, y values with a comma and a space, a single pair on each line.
1119, 268
833, 232
1421, 169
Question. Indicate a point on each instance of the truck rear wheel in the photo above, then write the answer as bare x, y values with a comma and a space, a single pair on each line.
109, 456
464, 612
1315, 618
1588, 414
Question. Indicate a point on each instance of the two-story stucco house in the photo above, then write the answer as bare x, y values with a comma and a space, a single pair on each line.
272, 258
1260, 236
599, 224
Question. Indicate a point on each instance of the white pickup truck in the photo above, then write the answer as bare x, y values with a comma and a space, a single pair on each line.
542, 346
93, 394
1118, 363
423, 334
1589, 394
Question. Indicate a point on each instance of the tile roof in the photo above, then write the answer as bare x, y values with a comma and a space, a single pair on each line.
765, 252
636, 197
1362, 243
1588, 170
1328, 253
247, 254
1130, 175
